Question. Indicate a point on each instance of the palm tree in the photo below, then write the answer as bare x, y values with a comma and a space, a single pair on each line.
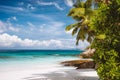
82, 13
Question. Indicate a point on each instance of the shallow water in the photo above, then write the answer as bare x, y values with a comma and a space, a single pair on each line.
18, 64
41, 56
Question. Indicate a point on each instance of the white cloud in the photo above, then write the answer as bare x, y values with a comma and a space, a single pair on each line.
52, 28
12, 9
12, 18
7, 26
39, 16
46, 29
29, 6
7, 40
83, 45
31, 26
22, 7
13, 29
2, 27
69, 2
50, 4
13, 41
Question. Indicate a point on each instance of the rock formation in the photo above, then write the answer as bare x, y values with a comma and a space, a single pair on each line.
80, 64
84, 63
87, 54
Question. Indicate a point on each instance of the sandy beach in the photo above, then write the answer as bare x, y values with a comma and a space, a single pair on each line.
42, 66
70, 74
53, 72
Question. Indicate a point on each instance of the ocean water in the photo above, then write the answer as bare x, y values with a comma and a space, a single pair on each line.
9, 56
18, 64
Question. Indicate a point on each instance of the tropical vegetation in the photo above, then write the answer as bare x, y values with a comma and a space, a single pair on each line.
98, 22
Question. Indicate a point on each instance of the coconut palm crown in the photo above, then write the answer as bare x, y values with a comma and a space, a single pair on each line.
82, 12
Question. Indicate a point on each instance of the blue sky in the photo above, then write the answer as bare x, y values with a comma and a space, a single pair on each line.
36, 24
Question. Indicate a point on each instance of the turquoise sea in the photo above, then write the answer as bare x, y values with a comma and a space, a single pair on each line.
23, 63
22, 55
12, 57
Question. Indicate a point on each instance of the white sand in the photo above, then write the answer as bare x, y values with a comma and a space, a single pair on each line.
40, 70
50, 73
66, 74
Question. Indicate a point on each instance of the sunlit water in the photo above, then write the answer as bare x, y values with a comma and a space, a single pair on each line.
17, 64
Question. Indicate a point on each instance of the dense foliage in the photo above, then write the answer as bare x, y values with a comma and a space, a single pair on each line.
106, 24
101, 27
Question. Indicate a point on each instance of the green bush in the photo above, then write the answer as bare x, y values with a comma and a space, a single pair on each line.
106, 24
101, 27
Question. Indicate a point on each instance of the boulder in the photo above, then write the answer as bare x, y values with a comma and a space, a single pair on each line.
87, 54
80, 64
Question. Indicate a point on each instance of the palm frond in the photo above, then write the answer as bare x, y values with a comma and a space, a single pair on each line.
69, 27
82, 13
74, 31
77, 13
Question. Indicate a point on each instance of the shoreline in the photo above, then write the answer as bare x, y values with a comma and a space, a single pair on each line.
47, 67
57, 72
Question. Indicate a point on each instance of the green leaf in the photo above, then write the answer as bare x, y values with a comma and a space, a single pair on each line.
69, 27
77, 13
101, 36
74, 31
